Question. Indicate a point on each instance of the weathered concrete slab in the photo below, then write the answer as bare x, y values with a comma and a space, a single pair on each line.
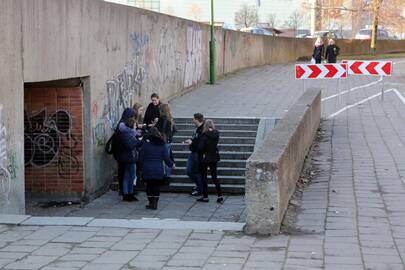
274, 168
173, 224
58, 221
13, 219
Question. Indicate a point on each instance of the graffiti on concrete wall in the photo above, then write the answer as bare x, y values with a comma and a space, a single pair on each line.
5, 176
48, 141
168, 60
194, 57
122, 90
139, 43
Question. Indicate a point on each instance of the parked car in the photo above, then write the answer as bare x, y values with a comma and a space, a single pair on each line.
326, 34
302, 33
366, 34
257, 30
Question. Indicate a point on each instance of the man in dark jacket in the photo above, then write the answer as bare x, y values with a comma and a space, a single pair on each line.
152, 113
193, 165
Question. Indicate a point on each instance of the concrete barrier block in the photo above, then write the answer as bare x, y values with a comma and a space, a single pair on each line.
275, 166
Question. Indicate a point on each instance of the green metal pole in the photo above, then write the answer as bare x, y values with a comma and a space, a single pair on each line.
212, 48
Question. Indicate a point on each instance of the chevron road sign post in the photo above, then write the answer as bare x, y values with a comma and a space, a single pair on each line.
320, 71
370, 68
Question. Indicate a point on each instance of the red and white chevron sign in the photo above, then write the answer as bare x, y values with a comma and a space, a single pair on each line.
376, 68
320, 71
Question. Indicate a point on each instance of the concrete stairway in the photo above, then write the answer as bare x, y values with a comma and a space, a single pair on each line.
237, 140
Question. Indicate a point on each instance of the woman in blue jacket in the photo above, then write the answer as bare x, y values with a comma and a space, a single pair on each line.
126, 154
153, 156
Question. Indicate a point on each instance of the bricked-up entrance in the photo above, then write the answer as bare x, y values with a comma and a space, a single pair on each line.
53, 142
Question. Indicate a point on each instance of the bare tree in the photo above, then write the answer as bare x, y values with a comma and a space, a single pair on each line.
247, 16
272, 20
340, 12
294, 21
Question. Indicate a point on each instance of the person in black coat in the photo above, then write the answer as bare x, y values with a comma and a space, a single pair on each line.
153, 157
318, 51
193, 162
332, 51
152, 113
117, 147
209, 158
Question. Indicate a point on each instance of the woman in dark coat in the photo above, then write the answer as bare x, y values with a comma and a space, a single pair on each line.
153, 157
117, 146
332, 51
126, 154
318, 51
152, 113
209, 158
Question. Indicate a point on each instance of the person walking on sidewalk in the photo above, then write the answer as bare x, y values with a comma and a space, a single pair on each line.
127, 154
153, 157
152, 113
318, 52
332, 51
193, 163
209, 158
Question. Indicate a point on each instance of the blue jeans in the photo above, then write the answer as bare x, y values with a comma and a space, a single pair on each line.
129, 179
193, 171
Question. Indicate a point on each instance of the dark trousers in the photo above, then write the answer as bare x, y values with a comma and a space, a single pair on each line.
152, 188
214, 176
120, 176
193, 170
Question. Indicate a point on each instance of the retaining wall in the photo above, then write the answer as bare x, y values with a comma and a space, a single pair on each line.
275, 166
118, 55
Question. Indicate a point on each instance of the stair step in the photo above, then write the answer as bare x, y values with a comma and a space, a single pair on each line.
221, 147
225, 163
224, 155
247, 127
223, 179
187, 187
223, 133
221, 171
222, 140
235, 121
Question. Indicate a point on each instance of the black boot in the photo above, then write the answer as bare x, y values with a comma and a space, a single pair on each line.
155, 203
134, 198
151, 202
127, 198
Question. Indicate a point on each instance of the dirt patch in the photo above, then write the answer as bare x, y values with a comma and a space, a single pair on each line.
310, 171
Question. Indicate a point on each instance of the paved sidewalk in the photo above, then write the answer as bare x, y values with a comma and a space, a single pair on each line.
171, 205
351, 216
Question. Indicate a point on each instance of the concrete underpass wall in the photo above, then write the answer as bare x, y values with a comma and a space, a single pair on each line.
121, 55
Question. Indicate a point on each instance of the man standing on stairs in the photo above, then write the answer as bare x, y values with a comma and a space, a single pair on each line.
193, 162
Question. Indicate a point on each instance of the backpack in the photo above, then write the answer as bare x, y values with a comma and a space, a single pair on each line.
111, 144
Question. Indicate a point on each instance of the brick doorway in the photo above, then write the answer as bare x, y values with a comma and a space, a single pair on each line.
53, 141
